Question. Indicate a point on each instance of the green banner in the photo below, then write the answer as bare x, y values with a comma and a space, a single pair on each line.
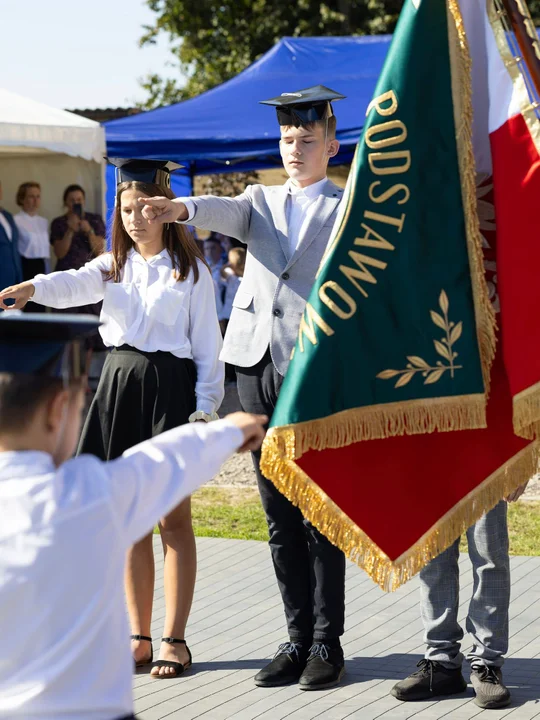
391, 319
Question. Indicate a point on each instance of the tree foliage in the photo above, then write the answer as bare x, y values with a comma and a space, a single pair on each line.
212, 41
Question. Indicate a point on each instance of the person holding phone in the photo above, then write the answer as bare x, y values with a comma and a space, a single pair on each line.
77, 237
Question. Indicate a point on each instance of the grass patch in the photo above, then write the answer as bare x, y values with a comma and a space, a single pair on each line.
229, 513
523, 528
237, 513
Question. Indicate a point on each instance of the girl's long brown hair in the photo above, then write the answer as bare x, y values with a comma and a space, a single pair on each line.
182, 248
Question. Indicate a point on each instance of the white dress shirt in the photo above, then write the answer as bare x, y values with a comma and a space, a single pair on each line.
6, 225
300, 205
63, 541
149, 310
33, 235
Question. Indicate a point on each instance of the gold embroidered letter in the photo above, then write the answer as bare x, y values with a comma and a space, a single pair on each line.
323, 294
376, 104
388, 219
366, 241
353, 275
387, 194
308, 328
387, 141
403, 155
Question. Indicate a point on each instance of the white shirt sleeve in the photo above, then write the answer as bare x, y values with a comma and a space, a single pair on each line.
206, 342
71, 288
190, 207
152, 478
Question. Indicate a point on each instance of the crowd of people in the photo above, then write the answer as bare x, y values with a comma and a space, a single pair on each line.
165, 305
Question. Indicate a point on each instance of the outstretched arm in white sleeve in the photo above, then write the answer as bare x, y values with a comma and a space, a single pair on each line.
65, 289
152, 478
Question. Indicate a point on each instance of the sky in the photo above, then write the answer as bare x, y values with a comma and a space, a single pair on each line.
75, 54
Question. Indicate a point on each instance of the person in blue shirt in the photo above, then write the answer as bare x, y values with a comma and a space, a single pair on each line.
10, 260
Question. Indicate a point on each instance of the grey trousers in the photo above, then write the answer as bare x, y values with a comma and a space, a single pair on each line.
487, 619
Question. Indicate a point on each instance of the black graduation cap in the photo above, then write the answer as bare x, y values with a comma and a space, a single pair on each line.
304, 106
44, 343
156, 172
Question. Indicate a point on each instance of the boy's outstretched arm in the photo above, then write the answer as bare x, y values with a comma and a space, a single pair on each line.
230, 216
152, 478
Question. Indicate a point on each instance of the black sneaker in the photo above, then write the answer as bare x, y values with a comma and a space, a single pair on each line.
324, 668
286, 667
489, 688
430, 680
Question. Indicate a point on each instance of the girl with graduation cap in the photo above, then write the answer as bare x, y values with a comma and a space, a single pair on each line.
159, 316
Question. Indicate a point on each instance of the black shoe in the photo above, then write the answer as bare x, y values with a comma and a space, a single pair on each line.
286, 667
489, 688
324, 668
149, 659
432, 679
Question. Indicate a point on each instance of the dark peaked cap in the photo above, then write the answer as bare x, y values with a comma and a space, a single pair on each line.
304, 106
29, 341
156, 172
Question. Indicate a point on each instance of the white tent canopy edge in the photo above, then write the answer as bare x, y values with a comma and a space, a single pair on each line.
53, 147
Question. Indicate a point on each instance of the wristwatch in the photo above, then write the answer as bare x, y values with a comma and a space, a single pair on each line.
201, 415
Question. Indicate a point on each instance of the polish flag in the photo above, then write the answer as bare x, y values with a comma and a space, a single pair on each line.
506, 137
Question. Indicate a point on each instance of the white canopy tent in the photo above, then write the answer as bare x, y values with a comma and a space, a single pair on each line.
52, 147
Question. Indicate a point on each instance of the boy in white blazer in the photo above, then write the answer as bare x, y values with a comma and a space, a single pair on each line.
286, 229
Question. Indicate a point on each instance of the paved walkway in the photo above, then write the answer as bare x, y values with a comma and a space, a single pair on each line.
237, 623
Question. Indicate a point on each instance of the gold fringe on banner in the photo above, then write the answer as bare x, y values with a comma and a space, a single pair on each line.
279, 463
375, 422
461, 66
526, 406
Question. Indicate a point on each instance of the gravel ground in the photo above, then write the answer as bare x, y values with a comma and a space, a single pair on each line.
238, 470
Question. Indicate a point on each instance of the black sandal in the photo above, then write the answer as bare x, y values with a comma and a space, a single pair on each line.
142, 663
179, 668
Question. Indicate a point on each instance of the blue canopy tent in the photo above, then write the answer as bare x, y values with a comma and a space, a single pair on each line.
226, 129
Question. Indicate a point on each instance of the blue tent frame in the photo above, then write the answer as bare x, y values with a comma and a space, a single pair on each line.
226, 129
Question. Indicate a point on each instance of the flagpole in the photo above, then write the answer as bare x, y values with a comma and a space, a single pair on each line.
526, 36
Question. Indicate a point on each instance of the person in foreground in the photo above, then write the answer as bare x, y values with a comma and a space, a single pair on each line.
67, 524
286, 229
439, 671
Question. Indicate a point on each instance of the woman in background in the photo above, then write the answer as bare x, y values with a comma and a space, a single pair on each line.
34, 247
77, 237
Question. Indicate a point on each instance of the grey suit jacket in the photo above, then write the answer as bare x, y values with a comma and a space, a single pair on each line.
271, 299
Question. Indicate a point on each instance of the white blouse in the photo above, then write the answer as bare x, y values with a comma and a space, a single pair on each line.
63, 541
149, 310
33, 235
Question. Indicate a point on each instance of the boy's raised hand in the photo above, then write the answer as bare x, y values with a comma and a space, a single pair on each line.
21, 294
252, 426
162, 210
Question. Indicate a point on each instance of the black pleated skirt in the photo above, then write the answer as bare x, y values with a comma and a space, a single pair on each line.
140, 395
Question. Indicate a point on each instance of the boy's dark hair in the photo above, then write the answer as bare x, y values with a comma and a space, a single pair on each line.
332, 124
21, 396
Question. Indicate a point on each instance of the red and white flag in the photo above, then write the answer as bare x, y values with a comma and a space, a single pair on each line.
506, 140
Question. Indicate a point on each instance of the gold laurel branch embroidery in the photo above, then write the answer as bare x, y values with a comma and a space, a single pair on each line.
444, 347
